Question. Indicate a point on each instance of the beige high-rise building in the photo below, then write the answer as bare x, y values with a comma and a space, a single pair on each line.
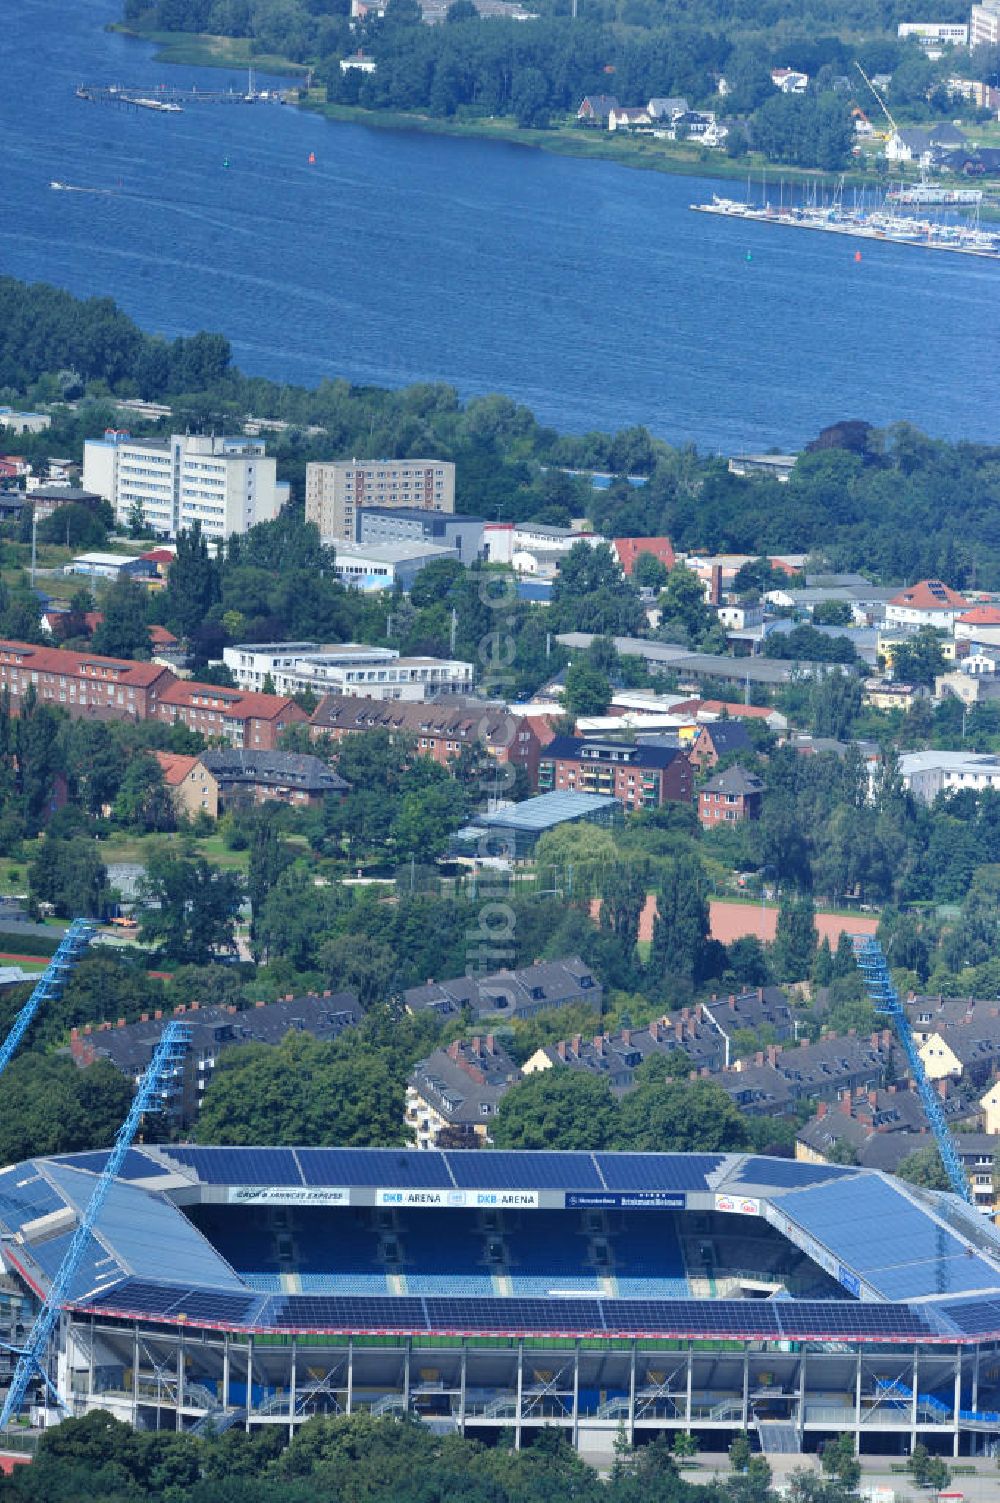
336, 489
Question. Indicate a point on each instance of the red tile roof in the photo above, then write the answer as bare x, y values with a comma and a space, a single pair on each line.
981, 615
930, 595
629, 550
716, 707
158, 635
175, 767
86, 665
235, 702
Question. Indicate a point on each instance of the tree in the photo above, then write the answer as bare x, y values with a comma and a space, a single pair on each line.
123, 633
685, 613
561, 1109
838, 1460
267, 861
193, 584
681, 923
71, 876
927, 1470
649, 572
920, 659
530, 99
427, 817
924, 1167
795, 942
366, 966
740, 1453
587, 691
680, 1117
191, 908
52, 1106
144, 801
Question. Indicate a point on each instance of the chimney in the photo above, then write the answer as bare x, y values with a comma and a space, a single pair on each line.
942, 1089
876, 1040
561, 1049
88, 1027
453, 1049
158, 1014
772, 1054
873, 1098
179, 1009
120, 1023
144, 1017
760, 994
577, 1041
476, 1045
74, 1033
195, 1006
852, 1033
328, 993
626, 1036
685, 1013
821, 1111
886, 1038
679, 1031
732, 1002
491, 1046
758, 1058
846, 1106
715, 585
260, 1004
598, 1043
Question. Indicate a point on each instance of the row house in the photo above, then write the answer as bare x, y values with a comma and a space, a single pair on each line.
130, 1046
510, 994
730, 797
440, 731
877, 1128
968, 1050
250, 720
775, 1079
454, 1094
83, 684
640, 777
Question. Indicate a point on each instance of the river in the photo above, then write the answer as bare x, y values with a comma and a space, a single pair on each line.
586, 290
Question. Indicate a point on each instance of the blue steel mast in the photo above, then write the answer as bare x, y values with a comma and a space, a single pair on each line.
885, 999
158, 1083
72, 947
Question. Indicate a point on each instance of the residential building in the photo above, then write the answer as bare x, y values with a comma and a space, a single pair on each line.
227, 485
109, 566
453, 1095
244, 778
775, 1078
928, 603
440, 729
730, 797
350, 668
928, 1014
878, 1128
990, 1107
968, 1051
411, 524
358, 62
667, 109
630, 550
510, 994
129, 1046
975, 682
254, 721
718, 739
24, 422
789, 80
928, 773
640, 777
628, 119
58, 622
45, 500
595, 109
709, 711
695, 668
984, 25
192, 787
337, 489
883, 694
85, 685
979, 625
511, 834
386, 566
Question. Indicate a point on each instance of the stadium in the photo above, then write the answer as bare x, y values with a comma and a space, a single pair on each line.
491, 1292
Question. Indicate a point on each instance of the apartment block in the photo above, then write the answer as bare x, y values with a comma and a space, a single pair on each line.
83, 684
336, 490
640, 777
253, 721
227, 485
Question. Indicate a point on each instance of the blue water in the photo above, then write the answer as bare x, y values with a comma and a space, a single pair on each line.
585, 290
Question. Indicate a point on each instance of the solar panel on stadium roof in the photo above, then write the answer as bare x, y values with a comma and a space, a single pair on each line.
975, 1316
240, 1166
24, 1196
524, 1171
657, 1171
787, 1173
385, 1167
896, 1246
139, 1297
136, 1165
301, 1311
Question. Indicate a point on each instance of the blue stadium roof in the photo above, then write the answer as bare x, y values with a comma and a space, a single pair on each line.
918, 1264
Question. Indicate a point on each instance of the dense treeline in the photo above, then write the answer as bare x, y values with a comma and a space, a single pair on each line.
364, 1460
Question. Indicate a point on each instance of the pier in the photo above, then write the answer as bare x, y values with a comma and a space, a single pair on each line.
170, 100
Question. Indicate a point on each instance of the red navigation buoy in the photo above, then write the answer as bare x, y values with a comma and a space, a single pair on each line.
312, 159
857, 255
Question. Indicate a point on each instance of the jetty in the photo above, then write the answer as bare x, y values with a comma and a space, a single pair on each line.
169, 100
881, 224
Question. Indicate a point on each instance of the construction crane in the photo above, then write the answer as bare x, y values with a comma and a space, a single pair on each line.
158, 1083
893, 127
72, 947
885, 999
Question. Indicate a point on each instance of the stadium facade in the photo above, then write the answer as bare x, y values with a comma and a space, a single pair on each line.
495, 1291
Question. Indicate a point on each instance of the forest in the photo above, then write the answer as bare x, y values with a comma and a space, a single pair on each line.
365, 1460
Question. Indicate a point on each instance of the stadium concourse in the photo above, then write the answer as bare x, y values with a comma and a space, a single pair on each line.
488, 1291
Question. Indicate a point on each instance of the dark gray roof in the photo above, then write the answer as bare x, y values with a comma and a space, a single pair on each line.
466, 1081
734, 780
323, 1015
727, 736
588, 749
292, 769
548, 984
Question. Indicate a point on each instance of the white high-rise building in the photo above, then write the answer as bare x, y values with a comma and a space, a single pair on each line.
226, 484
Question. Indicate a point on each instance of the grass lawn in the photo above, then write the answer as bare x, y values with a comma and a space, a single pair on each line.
137, 849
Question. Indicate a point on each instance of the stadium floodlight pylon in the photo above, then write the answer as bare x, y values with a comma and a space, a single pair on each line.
885, 999
159, 1082
72, 947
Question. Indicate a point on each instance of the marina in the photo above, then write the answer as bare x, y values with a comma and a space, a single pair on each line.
167, 100
881, 223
